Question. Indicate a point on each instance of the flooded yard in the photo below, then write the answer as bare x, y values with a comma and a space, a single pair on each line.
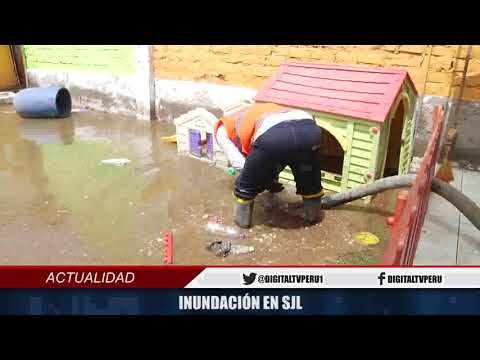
60, 205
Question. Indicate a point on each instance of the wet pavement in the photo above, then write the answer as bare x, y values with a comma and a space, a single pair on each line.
60, 205
448, 237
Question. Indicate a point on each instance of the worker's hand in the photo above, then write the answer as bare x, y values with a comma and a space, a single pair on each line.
275, 187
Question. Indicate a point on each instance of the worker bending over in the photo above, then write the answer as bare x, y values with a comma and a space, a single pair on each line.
260, 141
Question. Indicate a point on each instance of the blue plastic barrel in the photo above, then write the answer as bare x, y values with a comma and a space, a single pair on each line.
43, 102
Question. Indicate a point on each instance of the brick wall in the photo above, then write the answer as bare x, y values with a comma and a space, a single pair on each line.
114, 59
432, 68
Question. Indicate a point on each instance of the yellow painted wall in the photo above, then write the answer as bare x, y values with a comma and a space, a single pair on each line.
433, 68
8, 77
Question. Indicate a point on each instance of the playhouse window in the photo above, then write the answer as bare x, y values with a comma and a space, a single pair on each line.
331, 153
201, 144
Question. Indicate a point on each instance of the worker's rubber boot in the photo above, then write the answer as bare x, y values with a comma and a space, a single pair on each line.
243, 213
313, 210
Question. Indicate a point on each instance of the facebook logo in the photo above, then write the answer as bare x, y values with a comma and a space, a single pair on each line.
381, 277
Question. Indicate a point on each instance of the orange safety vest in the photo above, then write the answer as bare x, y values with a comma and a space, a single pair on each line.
242, 125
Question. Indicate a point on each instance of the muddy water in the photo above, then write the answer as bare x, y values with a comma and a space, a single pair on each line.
60, 205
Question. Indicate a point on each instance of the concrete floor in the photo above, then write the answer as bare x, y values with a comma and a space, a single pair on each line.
448, 238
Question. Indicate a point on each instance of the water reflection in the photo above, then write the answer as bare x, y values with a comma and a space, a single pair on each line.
21, 157
52, 174
117, 213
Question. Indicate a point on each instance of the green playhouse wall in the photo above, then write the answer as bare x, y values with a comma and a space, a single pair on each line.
114, 59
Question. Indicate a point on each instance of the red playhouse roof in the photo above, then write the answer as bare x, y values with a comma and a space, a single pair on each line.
355, 91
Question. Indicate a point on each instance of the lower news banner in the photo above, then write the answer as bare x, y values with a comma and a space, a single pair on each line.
187, 290
240, 302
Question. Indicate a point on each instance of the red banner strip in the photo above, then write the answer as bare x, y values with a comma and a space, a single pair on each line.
34, 277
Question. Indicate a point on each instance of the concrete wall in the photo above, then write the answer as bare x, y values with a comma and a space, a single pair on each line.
205, 75
96, 91
176, 97
113, 78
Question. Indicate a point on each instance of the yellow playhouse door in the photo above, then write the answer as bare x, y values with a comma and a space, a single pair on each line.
8, 76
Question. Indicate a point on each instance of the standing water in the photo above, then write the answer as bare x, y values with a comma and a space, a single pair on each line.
60, 205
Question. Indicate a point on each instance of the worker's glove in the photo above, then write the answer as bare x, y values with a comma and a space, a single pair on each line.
275, 187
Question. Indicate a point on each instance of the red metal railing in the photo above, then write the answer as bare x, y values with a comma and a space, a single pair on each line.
408, 226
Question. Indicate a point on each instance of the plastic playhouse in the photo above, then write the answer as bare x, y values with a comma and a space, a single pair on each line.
194, 135
367, 114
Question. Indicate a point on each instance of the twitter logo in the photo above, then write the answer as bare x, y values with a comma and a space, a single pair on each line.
249, 279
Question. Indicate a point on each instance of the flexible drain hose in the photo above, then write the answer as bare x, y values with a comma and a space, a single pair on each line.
465, 205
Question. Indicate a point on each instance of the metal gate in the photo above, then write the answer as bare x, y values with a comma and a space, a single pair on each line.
407, 228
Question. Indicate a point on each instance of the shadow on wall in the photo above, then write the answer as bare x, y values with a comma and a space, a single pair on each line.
471, 89
465, 113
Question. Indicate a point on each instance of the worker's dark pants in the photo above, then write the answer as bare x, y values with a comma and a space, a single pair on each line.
290, 143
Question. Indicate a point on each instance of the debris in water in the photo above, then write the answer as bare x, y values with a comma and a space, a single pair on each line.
6, 97
169, 139
220, 248
241, 249
116, 162
231, 171
467, 165
367, 238
214, 228
223, 248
